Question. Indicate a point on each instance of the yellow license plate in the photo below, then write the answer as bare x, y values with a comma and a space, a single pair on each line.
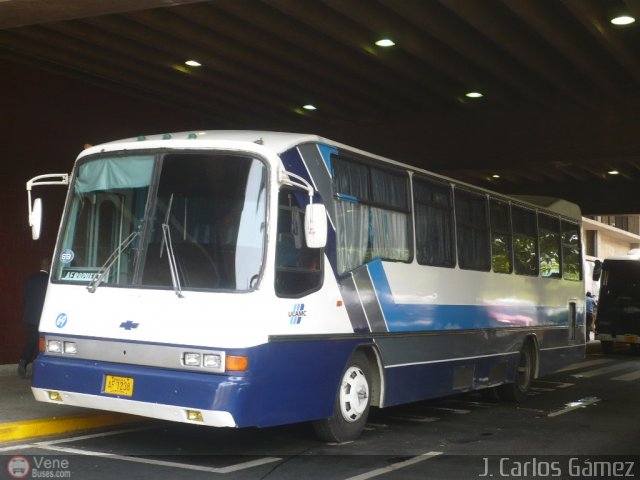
629, 339
118, 385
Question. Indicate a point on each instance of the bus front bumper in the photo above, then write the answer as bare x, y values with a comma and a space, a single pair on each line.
174, 395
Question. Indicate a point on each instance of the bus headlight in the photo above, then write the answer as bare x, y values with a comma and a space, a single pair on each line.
190, 359
70, 348
54, 346
212, 360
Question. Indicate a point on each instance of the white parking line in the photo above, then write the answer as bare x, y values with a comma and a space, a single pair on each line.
590, 363
396, 466
414, 418
54, 445
554, 384
603, 371
163, 463
628, 377
569, 407
72, 439
459, 411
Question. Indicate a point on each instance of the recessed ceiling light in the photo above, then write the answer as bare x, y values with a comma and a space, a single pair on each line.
473, 95
308, 106
613, 172
193, 63
623, 20
495, 175
385, 42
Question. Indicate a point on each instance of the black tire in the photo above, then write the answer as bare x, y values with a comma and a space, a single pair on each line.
517, 391
607, 347
352, 404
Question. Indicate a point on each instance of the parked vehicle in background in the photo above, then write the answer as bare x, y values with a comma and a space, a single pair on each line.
618, 318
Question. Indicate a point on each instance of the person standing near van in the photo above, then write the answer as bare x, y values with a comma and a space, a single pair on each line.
35, 289
591, 303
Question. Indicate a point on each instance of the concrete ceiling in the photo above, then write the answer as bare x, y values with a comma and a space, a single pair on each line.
560, 84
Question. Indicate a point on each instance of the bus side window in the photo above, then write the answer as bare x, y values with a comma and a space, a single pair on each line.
298, 268
571, 258
472, 231
550, 245
501, 238
433, 206
525, 241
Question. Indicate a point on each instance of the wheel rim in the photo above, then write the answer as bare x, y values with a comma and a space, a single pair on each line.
354, 394
524, 371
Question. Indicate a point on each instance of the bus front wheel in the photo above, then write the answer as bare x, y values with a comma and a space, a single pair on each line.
351, 408
517, 391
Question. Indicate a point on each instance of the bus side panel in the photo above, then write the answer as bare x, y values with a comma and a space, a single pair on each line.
418, 382
426, 366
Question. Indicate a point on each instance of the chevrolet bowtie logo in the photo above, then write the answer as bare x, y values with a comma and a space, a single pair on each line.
129, 325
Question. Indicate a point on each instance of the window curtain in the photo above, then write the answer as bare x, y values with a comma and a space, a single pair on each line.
353, 234
389, 234
366, 232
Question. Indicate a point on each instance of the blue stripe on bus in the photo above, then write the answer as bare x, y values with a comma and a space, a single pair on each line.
347, 198
420, 317
326, 151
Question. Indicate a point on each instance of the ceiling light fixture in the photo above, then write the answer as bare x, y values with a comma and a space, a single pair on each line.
473, 95
495, 175
622, 20
613, 172
385, 42
193, 63
308, 106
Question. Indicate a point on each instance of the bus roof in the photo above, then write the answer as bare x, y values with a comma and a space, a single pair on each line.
276, 141
279, 142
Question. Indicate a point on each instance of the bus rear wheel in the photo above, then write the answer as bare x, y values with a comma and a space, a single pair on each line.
517, 391
352, 404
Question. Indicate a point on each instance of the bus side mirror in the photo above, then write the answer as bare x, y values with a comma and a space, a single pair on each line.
597, 270
35, 218
315, 225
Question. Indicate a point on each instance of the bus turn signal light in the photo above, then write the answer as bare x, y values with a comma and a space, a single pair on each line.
237, 363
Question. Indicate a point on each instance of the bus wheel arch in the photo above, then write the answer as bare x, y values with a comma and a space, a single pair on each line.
359, 389
526, 370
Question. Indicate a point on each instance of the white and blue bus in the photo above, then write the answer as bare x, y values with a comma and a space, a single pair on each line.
237, 279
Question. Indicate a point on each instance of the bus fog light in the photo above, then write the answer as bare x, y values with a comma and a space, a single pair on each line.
212, 361
55, 396
70, 348
54, 346
191, 359
195, 416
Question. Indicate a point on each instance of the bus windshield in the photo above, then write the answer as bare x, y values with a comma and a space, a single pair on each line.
211, 207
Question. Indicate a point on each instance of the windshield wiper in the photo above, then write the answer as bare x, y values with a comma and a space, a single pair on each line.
173, 267
166, 240
115, 255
